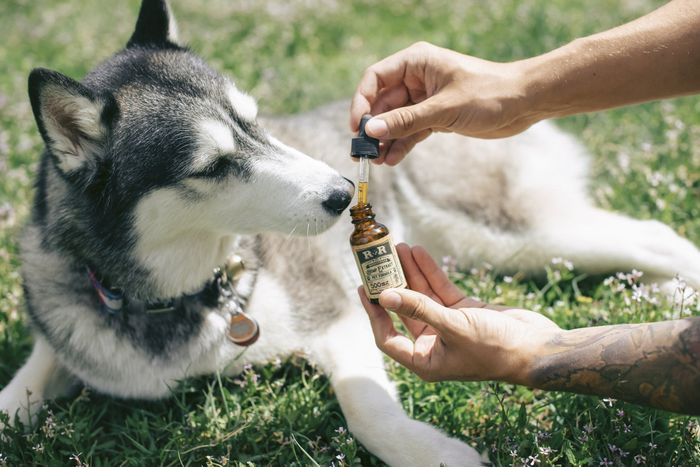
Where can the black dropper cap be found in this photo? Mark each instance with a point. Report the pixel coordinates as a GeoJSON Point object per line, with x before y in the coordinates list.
{"type": "Point", "coordinates": [364, 145]}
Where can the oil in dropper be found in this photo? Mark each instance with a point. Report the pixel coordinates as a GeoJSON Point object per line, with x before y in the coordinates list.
{"type": "Point", "coordinates": [363, 181]}
{"type": "Point", "coordinates": [371, 243]}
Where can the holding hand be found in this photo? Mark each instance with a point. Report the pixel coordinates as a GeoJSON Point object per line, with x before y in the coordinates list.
{"type": "Point", "coordinates": [454, 337]}
{"type": "Point", "coordinates": [426, 88]}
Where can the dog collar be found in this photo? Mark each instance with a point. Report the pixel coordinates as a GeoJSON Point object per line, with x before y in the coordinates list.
{"type": "Point", "coordinates": [111, 298]}
{"type": "Point", "coordinates": [243, 329]}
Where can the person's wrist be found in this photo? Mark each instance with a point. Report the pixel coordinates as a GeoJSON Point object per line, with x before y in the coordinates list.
{"type": "Point", "coordinates": [530, 355]}
{"type": "Point", "coordinates": [534, 101]}
{"type": "Point", "coordinates": [520, 104]}
{"type": "Point", "coordinates": [546, 79]}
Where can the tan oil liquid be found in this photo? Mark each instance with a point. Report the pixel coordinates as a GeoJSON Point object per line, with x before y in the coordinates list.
{"type": "Point", "coordinates": [374, 252]}
{"type": "Point", "coordinates": [362, 194]}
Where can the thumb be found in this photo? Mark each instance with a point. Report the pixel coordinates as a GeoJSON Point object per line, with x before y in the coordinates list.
{"type": "Point", "coordinates": [415, 305]}
{"type": "Point", "coordinates": [402, 122]}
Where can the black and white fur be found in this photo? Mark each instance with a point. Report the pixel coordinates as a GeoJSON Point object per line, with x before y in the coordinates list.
{"type": "Point", "coordinates": [157, 168]}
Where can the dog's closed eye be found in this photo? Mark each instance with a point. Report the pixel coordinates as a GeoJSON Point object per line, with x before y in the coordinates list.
{"type": "Point", "coordinates": [219, 168]}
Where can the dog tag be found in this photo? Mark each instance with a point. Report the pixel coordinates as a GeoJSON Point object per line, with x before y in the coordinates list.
{"type": "Point", "coordinates": [243, 329]}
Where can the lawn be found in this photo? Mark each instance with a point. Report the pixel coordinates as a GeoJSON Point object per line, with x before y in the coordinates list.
{"type": "Point", "coordinates": [294, 55]}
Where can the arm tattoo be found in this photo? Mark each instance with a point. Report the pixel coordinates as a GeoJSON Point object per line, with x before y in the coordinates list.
{"type": "Point", "coordinates": [654, 364]}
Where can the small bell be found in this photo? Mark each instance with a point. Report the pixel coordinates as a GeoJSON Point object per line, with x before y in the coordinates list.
{"type": "Point", "coordinates": [234, 267]}
{"type": "Point", "coordinates": [243, 329]}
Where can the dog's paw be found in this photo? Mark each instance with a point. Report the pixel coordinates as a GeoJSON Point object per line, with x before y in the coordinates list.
{"type": "Point", "coordinates": [19, 406]}
{"type": "Point", "coordinates": [452, 452]}
{"type": "Point", "coordinates": [424, 445]}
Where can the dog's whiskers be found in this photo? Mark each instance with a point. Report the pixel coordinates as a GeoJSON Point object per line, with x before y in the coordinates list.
{"type": "Point", "coordinates": [287, 240]}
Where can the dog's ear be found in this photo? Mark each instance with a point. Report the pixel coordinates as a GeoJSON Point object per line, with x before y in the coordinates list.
{"type": "Point", "coordinates": [156, 25]}
{"type": "Point", "coordinates": [72, 120]}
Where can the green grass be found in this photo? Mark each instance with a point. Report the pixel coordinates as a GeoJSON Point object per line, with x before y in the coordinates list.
{"type": "Point", "coordinates": [646, 163]}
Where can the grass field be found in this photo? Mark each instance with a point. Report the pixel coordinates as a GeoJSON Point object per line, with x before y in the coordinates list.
{"type": "Point", "coordinates": [293, 55]}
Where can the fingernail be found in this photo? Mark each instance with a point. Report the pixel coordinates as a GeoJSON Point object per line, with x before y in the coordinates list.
{"type": "Point", "coordinates": [376, 127]}
{"type": "Point", "coordinates": [390, 300]}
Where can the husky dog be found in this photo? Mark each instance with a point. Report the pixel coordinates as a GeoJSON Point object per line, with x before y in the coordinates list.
{"type": "Point", "coordinates": [157, 170]}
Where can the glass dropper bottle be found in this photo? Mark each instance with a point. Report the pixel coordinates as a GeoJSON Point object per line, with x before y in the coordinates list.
{"type": "Point", "coordinates": [371, 243]}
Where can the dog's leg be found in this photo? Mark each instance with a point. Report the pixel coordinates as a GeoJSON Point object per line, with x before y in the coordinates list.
{"type": "Point", "coordinates": [42, 377]}
{"type": "Point", "coordinates": [598, 241]}
{"type": "Point", "coordinates": [347, 353]}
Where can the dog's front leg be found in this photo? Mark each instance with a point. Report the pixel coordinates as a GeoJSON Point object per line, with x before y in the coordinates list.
{"type": "Point", "coordinates": [41, 377]}
{"type": "Point", "coordinates": [347, 353]}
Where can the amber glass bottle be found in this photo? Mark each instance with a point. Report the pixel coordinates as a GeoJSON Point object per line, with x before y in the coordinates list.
{"type": "Point", "coordinates": [374, 253]}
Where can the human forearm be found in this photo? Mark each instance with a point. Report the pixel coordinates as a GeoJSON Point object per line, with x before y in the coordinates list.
{"type": "Point", "coordinates": [654, 364]}
{"type": "Point", "coordinates": [653, 57]}
{"type": "Point", "coordinates": [458, 338]}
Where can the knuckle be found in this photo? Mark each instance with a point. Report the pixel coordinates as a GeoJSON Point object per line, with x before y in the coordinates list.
{"type": "Point", "coordinates": [417, 309]}
{"type": "Point", "coordinates": [421, 46]}
{"type": "Point", "coordinates": [405, 120]}
{"type": "Point", "coordinates": [380, 344]}
{"type": "Point", "coordinates": [376, 71]}
{"type": "Point", "coordinates": [371, 73]}
{"type": "Point", "coordinates": [370, 70]}
{"type": "Point", "coordinates": [468, 322]}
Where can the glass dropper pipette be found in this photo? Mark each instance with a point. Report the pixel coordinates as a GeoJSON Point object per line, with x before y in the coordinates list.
{"type": "Point", "coordinates": [363, 181]}
{"type": "Point", "coordinates": [364, 147]}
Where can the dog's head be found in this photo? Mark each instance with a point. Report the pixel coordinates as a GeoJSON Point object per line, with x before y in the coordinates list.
{"type": "Point", "coordinates": [157, 146]}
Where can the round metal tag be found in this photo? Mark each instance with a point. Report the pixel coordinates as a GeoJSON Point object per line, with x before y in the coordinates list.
{"type": "Point", "coordinates": [243, 329]}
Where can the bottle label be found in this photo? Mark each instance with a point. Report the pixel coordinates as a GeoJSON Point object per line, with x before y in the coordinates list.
{"type": "Point", "coordinates": [379, 266]}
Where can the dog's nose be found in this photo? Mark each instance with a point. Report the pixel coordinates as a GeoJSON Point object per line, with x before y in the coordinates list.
{"type": "Point", "coordinates": [337, 201]}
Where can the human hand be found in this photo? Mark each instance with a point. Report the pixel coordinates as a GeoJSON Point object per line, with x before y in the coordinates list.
{"type": "Point", "coordinates": [425, 88]}
{"type": "Point", "coordinates": [454, 337]}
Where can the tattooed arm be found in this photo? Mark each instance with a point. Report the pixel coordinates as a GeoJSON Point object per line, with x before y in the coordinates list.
{"type": "Point", "coordinates": [456, 338]}
{"type": "Point", "coordinates": [655, 364]}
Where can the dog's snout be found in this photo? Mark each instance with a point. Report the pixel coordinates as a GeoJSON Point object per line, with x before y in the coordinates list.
{"type": "Point", "coordinates": [337, 201]}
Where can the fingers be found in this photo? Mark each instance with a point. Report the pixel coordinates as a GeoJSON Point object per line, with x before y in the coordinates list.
{"type": "Point", "coordinates": [416, 306]}
{"type": "Point", "coordinates": [425, 276]}
{"type": "Point", "coordinates": [401, 147]}
{"type": "Point", "coordinates": [414, 275]}
{"type": "Point", "coordinates": [385, 73]}
{"type": "Point", "coordinates": [403, 121]}
{"type": "Point", "coordinates": [390, 72]}
{"type": "Point", "coordinates": [447, 292]}
{"type": "Point", "coordinates": [395, 89]}
{"type": "Point", "coordinates": [395, 345]}
{"type": "Point", "coordinates": [416, 281]}
{"type": "Point", "coordinates": [390, 98]}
